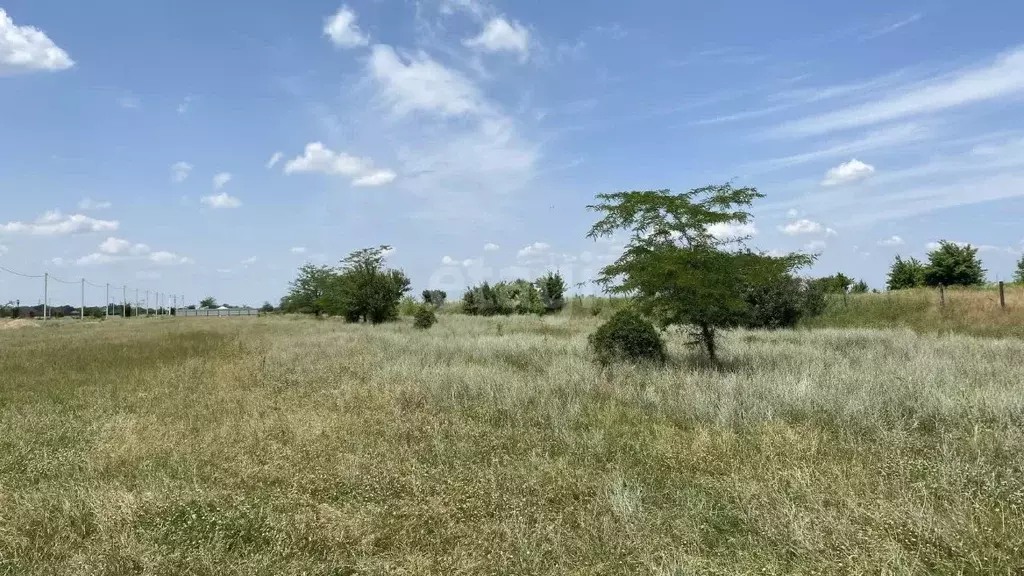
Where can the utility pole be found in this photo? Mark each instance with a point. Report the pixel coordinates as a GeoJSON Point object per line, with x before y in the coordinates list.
{"type": "Point", "coordinates": [106, 309]}
{"type": "Point", "coordinates": [81, 315]}
{"type": "Point", "coordinates": [136, 302]}
{"type": "Point", "coordinates": [46, 294]}
{"type": "Point", "coordinates": [147, 303]}
{"type": "Point", "coordinates": [124, 301]}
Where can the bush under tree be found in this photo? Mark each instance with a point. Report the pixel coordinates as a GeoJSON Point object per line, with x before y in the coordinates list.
{"type": "Point", "coordinates": [836, 284]}
{"type": "Point", "coordinates": [675, 269]}
{"type": "Point", "coordinates": [627, 336]}
{"type": "Point", "coordinates": [782, 302]}
{"type": "Point", "coordinates": [954, 265]}
{"type": "Point", "coordinates": [904, 274]}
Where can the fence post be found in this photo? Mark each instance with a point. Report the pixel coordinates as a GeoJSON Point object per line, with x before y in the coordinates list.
{"type": "Point", "coordinates": [46, 294]}
{"type": "Point", "coordinates": [1002, 296]}
{"type": "Point", "coordinates": [81, 314]}
{"type": "Point", "coordinates": [942, 296]}
{"type": "Point", "coordinates": [106, 309]}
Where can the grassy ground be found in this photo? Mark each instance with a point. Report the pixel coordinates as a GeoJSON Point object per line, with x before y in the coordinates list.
{"type": "Point", "coordinates": [967, 310]}
{"type": "Point", "coordinates": [493, 446]}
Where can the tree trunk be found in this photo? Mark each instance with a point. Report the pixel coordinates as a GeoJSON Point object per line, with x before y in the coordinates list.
{"type": "Point", "coordinates": [707, 336]}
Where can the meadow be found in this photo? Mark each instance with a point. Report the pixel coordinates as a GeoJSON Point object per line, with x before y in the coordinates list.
{"type": "Point", "coordinates": [286, 445]}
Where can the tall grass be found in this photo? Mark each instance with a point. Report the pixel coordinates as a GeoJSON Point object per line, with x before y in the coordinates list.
{"type": "Point", "coordinates": [495, 446]}
{"type": "Point", "coordinates": [967, 310]}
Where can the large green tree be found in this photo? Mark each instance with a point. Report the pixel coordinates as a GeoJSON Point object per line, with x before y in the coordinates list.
{"type": "Point", "coordinates": [674, 266]}
{"type": "Point", "coordinates": [905, 274]}
{"type": "Point", "coordinates": [1018, 274]}
{"type": "Point", "coordinates": [306, 293]}
{"type": "Point", "coordinates": [363, 289]}
{"type": "Point", "coordinates": [952, 264]}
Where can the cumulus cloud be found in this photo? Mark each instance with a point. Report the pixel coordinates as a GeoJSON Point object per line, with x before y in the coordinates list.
{"type": "Point", "coordinates": [274, 160]}
{"type": "Point", "coordinates": [90, 204]}
{"type": "Point", "coordinates": [222, 200]}
{"type": "Point", "coordinates": [491, 247]}
{"type": "Point", "coordinates": [220, 180]}
{"type": "Point", "coordinates": [732, 230]}
{"type": "Point", "coordinates": [448, 261]}
{"type": "Point", "coordinates": [802, 226]}
{"type": "Point", "coordinates": [180, 171]}
{"type": "Point", "coordinates": [319, 158]}
{"type": "Point", "coordinates": [57, 224]}
{"type": "Point", "coordinates": [343, 31]}
{"type": "Point", "coordinates": [419, 83]}
{"type": "Point", "coordinates": [120, 246]}
{"type": "Point", "coordinates": [534, 251]}
{"type": "Point", "coordinates": [891, 241]}
{"type": "Point", "coordinates": [847, 173]}
{"type": "Point", "coordinates": [500, 35]}
{"type": "Point", "coordinates": [28, 49]}
{"type": "Point", "coordinates": [167, 258]}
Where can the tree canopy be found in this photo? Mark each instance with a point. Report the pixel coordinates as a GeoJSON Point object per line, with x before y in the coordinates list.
{"type": "Point", "coordinates": [905, 274]}
{"type": "Point", "coordinates": [1018, 274]}
{"type": "Point", "coordinates": [208, 302]}
{"type": "Point", "coordinates": [677, 265]}
{"type": "Point", "coordinates": [952, 264]}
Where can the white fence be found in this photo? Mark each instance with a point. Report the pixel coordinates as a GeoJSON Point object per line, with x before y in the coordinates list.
{"type": "Point", "coordinates": [203, 312]}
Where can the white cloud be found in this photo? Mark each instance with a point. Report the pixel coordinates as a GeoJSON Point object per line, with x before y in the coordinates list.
{"type": "Point", "coordinates": [318, 158]}
{"type": "Point", "coordinates": [732, 230]}
{"type": "Point", "coordinates": [183, 107]}
{"type": "Point", "coordinates": [180, 171]}
{"type": "Point", "coordinates": [418, 83]}
{"type": "Point", "coordinates": [274, 160]}
{"type": "Point", "coordinates": [491, 247]}
{"type": "Point", "coordinates": [220, 180]}
{"type": "Point", "coordinates": [128, 102]}
{"type": "Point", "coordinates": [534, 251]}
{"type": "Point", "coordinates": [377, 178]}
{"type": "Point", "coordinates": [891, 241]}
{"type": "Point", "coordinates": [887, 137]}
{"type": "Point", "coordinates": [56, 224]}
{"type": "Point", "coordinates": [468, 263]}
{"type": "Point", "coordinates": [167, 259]}
{"type": "Point", "coordinates": [250, 261]}
{"type": "Point", "coordinates": [815, 247]}
{"type": "Point", "coordinates": [1001, 78]}
{"type": "Point", "coordinates": [222, 200]}
{"type": "Point", "coordinates": [343, 31]}
{"type": "Point", "coordinates": [500, 35]}
{"type": "Point", "coordinates": [448, 261]}
{"type": "Point", "coordinates": [58, 261]}
{"type": "Point", "coordinates": [90, 204]}
{"type": "Point", "coordinates": [473, 7]}
{"type": "Point", "coordinates": [95, 259]}
{"type": "Point", "coordinates": [936, 245]}
{"type": "Point", "coordinates": [892, 27]}
{"type": "Point", "coordinates": [847, 173]}
{"type": "Point", "coordinates": [802, 226]}
{"type": "Point", "coordinates": [26, 49]}
{"type": "Point", "coordinates": [299, 250]}
{"type": "Point", "coordinates": [120, 246]}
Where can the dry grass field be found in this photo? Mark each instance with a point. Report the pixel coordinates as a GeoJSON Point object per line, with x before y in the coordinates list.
{"type": "Point", "coordinates": [495, 446]}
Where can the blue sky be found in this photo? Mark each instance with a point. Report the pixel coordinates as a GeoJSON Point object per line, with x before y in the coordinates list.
{"type": "Point", "coordinates": [210, 148]}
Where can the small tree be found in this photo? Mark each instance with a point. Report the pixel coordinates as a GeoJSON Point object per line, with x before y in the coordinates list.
{"type": "Point", "coordinates": [435, 298]}
{"type": "Point", "coordinates": [905, 274]}
{"type": "Point", "coordinates": [1018, 274]}
{"type": "Point", "coordinates": [208, 302]}
{"type": "Point", "coordinates": [861, 287]}
{"type": "Point", "coordinates": [267, 308]}
{"type": "Point", "coordinates": [675, 268]}
{"type": "Point", "coordinates": [425, 317]}
{"type": "Point", "coordinates": [836, 284]}
{"type": "Point", "coordinates": [954, 265]}
{"type": "Point", "coordinates": [551, 287]}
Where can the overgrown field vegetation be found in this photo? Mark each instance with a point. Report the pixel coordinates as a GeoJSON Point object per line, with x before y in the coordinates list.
{"type": "Point", "coordinates": [492, 445]}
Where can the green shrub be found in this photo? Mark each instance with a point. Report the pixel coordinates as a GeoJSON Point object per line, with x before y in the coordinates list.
{"type": "Point", "coordinates": [435, 297]}
{"type": "Point", "coordinates": [426, 317]}
{"type": "Point", "coordinates": [408, 306]}
{"type": "Point", "coordinates": [629, 337]}
{"type": "Point", "coordinates": [783, 302]}
{"type": "Point", "coordinates": [551, 290]}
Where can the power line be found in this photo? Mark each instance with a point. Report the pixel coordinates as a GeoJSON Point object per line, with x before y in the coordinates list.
{"type": "Point", "coordinates": [18, 273]}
